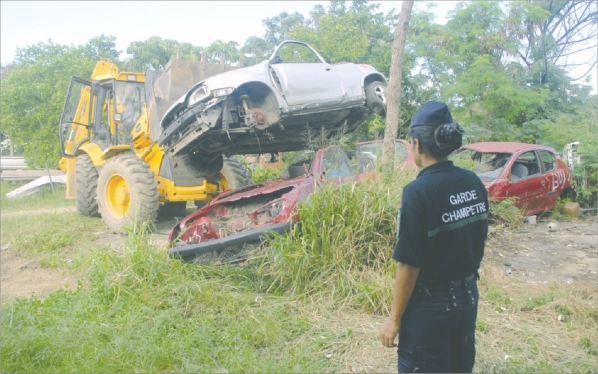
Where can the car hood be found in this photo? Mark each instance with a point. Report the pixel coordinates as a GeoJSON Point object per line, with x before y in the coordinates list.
{"type": "Point", "coordinates": [223, 80]}
{"type": "Point", "coordinates": [248, 191]}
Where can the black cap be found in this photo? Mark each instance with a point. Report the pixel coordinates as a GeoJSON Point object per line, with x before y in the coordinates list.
{"type": "Point", "coordinates": [432, 113]}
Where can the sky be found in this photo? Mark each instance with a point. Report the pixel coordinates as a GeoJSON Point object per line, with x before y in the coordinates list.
{"type": "Point", "coordinates": [197, 22]}
{"type": "Point", "coordinates": [200, 23]}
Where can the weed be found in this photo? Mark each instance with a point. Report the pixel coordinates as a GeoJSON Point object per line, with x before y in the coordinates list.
{"type": "Point", "coordinates": [504, 214]}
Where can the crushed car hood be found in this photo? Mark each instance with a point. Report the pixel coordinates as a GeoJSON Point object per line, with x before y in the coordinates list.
{"type": "Point", "coordinates": [223, 80]}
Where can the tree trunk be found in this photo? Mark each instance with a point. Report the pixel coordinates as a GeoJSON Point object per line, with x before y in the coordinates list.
{"type": "Point", "coordinates": [393, 91]}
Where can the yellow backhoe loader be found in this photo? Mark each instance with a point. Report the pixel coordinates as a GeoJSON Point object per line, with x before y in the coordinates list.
{"type": "Point", "coordinates": [109, 129]}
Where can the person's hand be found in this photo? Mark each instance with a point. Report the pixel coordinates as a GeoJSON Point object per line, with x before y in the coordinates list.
{"type": "Point", "coordinates": [388, 332]}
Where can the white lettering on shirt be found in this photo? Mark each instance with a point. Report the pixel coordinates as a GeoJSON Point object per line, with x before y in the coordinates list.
{"type": "Point", "coordinates": [467, 211]}
{"type": "Point", "coordinates": [463, 197]}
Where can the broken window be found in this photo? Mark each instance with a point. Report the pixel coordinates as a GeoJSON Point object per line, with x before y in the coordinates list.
{"type": "Point", "coordinates": [491, 165]}
{"type": "Point", "coordinates": [337, 164]}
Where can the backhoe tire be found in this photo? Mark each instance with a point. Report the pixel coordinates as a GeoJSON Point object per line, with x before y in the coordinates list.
{"type": "Point", "coordinates": [375, 97]}
{"type": "Point", "coordinates": [236, 173]}
{"type": "Point", "coordinates": [86, 183]}
{"type": "Point", "coordinates": [127, 193]}
{"type": "Point", "coordinates": [172, 209]}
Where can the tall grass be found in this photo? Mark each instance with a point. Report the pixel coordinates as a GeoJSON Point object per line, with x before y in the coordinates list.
{"type": "Point", "coordinates": [141, 311]}
{"type": "Point", "coordinates": [343, 247]}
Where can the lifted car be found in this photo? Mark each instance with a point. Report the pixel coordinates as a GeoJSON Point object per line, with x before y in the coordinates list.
{"type": "Point", "coordinates": [534, 174]}
{"type": "Point", "coordinates": [270, 107]}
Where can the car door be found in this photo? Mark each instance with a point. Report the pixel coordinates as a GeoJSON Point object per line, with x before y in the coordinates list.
{"type": "Point", "coordinates": [304, 78]}
{"type": "Point", "coordinates": [527, 182]}
{"type": "Point", "coordinates": [555, 179]}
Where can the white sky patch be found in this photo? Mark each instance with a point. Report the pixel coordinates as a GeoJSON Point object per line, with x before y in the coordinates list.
{"type": "Point", "coordinates": [200, 23]}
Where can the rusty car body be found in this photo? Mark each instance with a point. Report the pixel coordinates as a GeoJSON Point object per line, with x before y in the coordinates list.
{"type": "Point", "coordinates": [534, 174]}
{"type": "Point", "coordinates": [270, 107]}
{"type": "Point", "coordinates": [240, 218]}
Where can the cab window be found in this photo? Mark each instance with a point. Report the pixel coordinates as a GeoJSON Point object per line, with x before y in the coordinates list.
{"type": "Point", "coordinates": [129, 99]}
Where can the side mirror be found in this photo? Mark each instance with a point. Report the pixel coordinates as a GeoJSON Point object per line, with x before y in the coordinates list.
{"type": "Point", "coordinates": [95, 87]}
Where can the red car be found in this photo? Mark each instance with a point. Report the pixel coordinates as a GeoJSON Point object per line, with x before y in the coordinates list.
{"type": "Point", "coordinates": [239, 218]}
{"type": "Point", "coordinates": [533, 173]}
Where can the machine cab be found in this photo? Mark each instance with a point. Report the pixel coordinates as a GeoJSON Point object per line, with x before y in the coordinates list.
{"type": "Point", "coordinates": [103, 111]}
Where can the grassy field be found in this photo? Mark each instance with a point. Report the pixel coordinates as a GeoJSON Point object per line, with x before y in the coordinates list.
{"type": "Point", "coordinates": [313, 302]}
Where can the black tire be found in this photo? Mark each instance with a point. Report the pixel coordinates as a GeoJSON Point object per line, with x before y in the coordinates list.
{"type": "Point", "coordinates": [375, 97]}
{"type": "Point", "coordinates": [86, 183]}
{"type": "Point", "coordinates": [127, 193]}
{"type": "Point", "coordinates": [172, 209]}
{"type": "Point", "coordinates": [200, 165]}
{"type": "Point", "coordinates": [236, 173]}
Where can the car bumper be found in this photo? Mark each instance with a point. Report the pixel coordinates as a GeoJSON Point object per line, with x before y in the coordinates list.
{"type": "Point", "coordinates": [191, 250]}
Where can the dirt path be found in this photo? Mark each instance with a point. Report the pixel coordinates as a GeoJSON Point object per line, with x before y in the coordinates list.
{"type": "Point", "coordinates": [534, 254]}
{"type": "Point", "coordinates": [23, 277]}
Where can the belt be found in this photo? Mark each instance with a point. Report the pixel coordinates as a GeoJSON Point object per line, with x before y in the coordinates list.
{"type": "Point", "coordinates": [450, 284]}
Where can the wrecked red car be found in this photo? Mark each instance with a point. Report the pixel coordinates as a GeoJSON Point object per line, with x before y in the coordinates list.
{"type": "Point", "coordinates": [534, 174]}
{"type": "Point", "coordinates": [237, 220]}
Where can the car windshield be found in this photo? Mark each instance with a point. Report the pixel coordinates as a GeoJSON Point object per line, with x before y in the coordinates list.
{"type": "Point", "coordinates": [296, 162]}
{"type": "Point", "coordinates": [337, 164]}
{"type": "Point", "coordinates": [490, 165]}
{"type": "Point", "coordinates": [368, 154]}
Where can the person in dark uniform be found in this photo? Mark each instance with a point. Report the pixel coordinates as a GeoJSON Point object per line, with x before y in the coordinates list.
{"type": "Point", "coordinates": [442, 229]}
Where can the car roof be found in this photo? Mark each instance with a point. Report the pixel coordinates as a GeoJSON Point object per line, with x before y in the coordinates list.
{"type": "Point", "coordinates": [508, 147]}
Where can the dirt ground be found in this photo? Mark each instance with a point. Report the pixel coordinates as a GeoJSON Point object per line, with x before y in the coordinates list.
{"type": "Point", "coordinates": [537, 255]}
{"type": "Point", "coordinates": [532, 253]}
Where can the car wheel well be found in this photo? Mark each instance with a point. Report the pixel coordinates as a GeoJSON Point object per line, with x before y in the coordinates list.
{"type": "Point", "coordinates": [262, 97]}
{"type": "Point", "coordinates": [373, 77]}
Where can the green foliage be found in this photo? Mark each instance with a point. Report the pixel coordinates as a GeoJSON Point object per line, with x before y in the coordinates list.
{"type": "Point", "coordinates": [255, 50]}
{"type": "Point", "coordinates": [156, 51]}
{"type": "Point", "coordinates": [261, 174]}
{"type": "Point", "coordinates": [34, 90]}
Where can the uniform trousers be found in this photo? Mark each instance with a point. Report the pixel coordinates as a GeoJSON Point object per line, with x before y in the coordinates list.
{"type": "Point", "coordinates": [437, 332]}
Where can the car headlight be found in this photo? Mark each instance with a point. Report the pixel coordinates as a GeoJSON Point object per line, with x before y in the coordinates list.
{"type": "Point", "coordinates": [268, 212]}
{"type": "Point", "coordinates": [223, 91]}
{"type": "Point", "coordinates": [198, 95]}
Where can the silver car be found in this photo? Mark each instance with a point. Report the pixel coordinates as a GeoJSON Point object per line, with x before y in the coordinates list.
{"type": "Point", "coordinates": [273, 106]}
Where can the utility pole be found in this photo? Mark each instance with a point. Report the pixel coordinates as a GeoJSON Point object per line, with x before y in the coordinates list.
{"type": "Point", "coordinates": [393, 91]}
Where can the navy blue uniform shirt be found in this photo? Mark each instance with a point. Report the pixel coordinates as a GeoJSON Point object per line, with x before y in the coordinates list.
{"type": "Point", "coordinates": [443, 223]}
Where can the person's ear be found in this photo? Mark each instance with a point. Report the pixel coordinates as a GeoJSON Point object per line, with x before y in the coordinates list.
{"type": "Point", "coordinates": [415, 146]}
